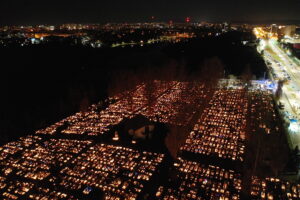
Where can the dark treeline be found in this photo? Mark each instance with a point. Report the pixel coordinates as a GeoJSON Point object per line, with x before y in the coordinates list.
{"type": "Point", "coordinates": [43, 84]}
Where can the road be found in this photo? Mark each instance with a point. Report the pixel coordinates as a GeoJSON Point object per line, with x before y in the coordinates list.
{"type": "Point", "coordinates": [286, 68]}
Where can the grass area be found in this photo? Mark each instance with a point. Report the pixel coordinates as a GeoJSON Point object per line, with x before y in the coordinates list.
{"type": "Point", "coordinates": [274, 55]}
{"type": "Point", "coordinates": [288, 138]}
{"type": "Point", "coordinates": [296, 60]}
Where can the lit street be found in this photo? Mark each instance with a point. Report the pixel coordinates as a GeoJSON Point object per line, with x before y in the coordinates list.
{"type": "Point", "coordinates": [286, 69]}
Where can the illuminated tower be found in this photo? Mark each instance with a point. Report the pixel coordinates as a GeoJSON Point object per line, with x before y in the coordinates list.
{"type": "Point", "coordinates": [274, 28]}
{"type": "Point", "coordinates": [187, 19]}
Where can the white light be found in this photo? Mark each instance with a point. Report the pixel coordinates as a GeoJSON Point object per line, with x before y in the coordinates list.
{"type": "Point", "coordinates": [294, 127]}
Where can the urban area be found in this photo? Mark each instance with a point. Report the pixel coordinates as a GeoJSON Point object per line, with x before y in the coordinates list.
{"type": "Point", "coordinates": [228, 138]}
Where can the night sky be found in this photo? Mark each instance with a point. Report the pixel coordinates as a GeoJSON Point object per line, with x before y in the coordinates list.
{"type": "Point", "coordinates": [31, 12]}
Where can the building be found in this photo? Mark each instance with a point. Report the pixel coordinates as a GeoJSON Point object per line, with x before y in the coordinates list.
{"type": "Point", "coordinates": [288, 30]}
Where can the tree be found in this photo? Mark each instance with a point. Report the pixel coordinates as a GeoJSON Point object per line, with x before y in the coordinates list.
{"type": "Point", "coordinates": [247, 75]}
{"type": "Point", "coordinates": [278, 92]}
{"type": "Point", "coordinates": [212, 71]}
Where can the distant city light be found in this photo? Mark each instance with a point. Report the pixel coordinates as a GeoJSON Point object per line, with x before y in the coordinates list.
{"type": "Point", "coordinates": [188, 20]}
{"type": "Point", "coordinates": [294, 126]}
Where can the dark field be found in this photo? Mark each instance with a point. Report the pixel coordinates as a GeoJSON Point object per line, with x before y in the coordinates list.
{"type": "Point", "coordinates": [43, 84]}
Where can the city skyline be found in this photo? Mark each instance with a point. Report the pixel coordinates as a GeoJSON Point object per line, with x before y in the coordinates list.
{"type": "Point", "coordinates": [34, 12]}
{"type": "Point", "coordinates": [141, 100]}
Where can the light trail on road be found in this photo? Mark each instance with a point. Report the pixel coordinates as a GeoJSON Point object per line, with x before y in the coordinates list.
{"type": "Point", "coordinates": [286, 69]}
